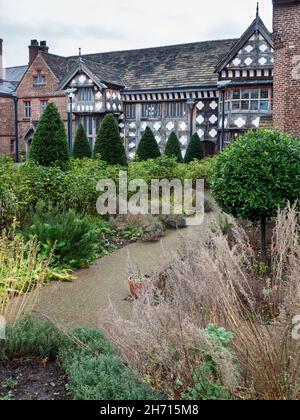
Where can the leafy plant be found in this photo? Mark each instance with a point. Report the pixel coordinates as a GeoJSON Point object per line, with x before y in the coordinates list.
{"type": "Point", "coordinates": [49, 144]}
{"type": "Point", "coordinates": [22, 270]}
{"type": "Point", "coordinates": [148, 147]}
{"type": "Point", "coordinates": [73, 237]}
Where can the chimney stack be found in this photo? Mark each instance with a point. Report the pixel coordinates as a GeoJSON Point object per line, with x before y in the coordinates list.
{"type": "Point", "coordinates": [35, 47]}
{"type": "Point", "coordinates": [1, 60]}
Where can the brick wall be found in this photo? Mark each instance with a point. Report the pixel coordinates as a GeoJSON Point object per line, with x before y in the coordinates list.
{"type": "Point", "coordinates": [287, 66]}
{"type": "Point", "coordinates": [7, 124]}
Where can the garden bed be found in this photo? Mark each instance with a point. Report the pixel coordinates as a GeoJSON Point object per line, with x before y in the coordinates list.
{"type": "Point", "coordinates": [32, 379]}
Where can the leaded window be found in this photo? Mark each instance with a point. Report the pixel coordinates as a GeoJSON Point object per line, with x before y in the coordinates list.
{"type": "Point", "coordinates": [85, 94]}
{"type": "Point", "coordinates": [176, 109]}
{"type": "Point", "coordinates": [130, 111]}
{"type": "Point", "coordinates": [151, 110]}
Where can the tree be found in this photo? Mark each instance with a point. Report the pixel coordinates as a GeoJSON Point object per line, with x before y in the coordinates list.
{"type": "Point", "coordinates": [173, 148]}
{"type": "Point", "coordinates": [49, 144]}
{"type": "Point", "coordinates": [82, 148]}
{"type": "Point", "coordinates": [194, 150]}
{"type": "Point", "coordinates": [109, 144]}
{"type": "Point", "coordinates": [148, 147]}
{"type": "Point", "coordinates": [256, 175]}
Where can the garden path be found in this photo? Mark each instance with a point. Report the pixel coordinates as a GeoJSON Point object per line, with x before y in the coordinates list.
{"type": "Point", "coordinates": [80, 303]}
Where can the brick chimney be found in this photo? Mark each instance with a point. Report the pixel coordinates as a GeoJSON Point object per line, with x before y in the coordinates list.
{"type": "Point", "coordinates": [286, 24]}
{"type": "Point", "coordinates": [1, 60]}
{"type": "Point", "coordinates": [35, 47]}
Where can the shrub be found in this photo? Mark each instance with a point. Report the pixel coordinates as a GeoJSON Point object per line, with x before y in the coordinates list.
{"type": "Point", "coordinates": [73, 237]}
{"type": "Point", "coordinates": [258, 174]}
{"type": "Point", "coordinates": [109, 145]}
{"type": "Point", "coordinates": [49, 144]}
{"type": "Point", "coordinates": [81, 148]}
{"type": "Point", "coordinates": [173, 148]}
{"type": "Point", "coordinates": [22, 270]}
{"type": "Point", "coordinates": [94, 370]}
{"type": "Point", "coordinates": [212, 281]}
{"type": "Point", "coordinates": [197, 169]}
{"type": "Point", "coordinates": [148, 147]}
{"type": "Point", "coordinates": [194, 150]}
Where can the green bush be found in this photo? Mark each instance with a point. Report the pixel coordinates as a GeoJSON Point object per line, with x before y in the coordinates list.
{"type": "Point", "coordinates": [74, 238]}
{"type": "Point", "coordinates": [81, 148]}
{"type": "Point", "coordinates": [173, 148]}
{"type": "Point", "coordinates": [148, 147]}
{"type": "Point", "coordinates": [258, 174]}
{"type": "Point", "coordinates": [109, 145]}
{"type": "Point", "coordinates": [194, 150]}
{"type": "Point", "coordinates": [49, 144]}
{"type": "Point", "coordinates": [197, 169]}
{"type": "Point", "coordinates": [93, 368]}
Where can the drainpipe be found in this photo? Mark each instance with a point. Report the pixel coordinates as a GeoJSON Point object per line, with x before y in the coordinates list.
{"type": "Point", "coordinates": [191, 106]}
{"type": "Point", "coordinates": [16, 128]}
{"type": "Point", "coordinates": [222, 86]}
{"type": "Point", "coordinates": [223, 122]}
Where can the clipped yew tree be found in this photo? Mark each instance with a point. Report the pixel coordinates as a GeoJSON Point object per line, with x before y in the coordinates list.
{"type": "Point", "coordinates": [173, 148]}
{"type": "Point", "coordinates": [109, 146]}
{"type": "Point", "coordinates": [81, 148]}
{"type": "Point", "coordinates": [257, 175]}
{"type": "Point", "coordinates": [148, 147]}
{"type": "Point", "coordinates": [194, 150]}
{"type": "Point", "coordinates": [49, 144]}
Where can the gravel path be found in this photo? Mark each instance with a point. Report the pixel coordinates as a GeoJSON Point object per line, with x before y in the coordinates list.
{"type": "Point", "coordinates": [81, 302]}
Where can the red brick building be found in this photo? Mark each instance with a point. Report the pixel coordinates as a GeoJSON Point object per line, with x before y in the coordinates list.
{"type": "Point", "coordinates": [218, 89]}
{"type": "Point", "coordinates": [287, 65]}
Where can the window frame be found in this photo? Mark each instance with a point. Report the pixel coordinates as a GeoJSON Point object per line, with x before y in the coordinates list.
{"type": "Point", "coordinates": [247, 99]}
{"type": "Point", "coordinates": [27, 110]}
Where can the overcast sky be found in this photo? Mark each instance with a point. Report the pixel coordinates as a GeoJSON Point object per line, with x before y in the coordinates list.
{"type": "Point", "coordinates": [106, 25]}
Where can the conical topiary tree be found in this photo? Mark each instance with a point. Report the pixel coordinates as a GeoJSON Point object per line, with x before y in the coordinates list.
{"type": "Point", "coordinates": [109, 145]}
{"type": "Point", "coordinates": [194, 150]}
{"type": "Point", "coordinates": [49, 144]}
{"type": "Point", "coordinates": [81, 148]}
{"type": "Point", "coordinates": [173, 148]}
{"type": "Point", "coordinates": [148, 147]}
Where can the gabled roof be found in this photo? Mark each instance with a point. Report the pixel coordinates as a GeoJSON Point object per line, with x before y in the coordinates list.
{"type": "Point", "coordinates": [100, 74]}
{"type": "Point", "coordinates": [175, 66]}
{"type": "Point", "coordinates": [256, 25]}
{"type": "Point", "coordinates": [170, 67]}
{"type": "Point", "coordinates": [7, 88]}
{"type": "Point", "coordinates": [14, 74]}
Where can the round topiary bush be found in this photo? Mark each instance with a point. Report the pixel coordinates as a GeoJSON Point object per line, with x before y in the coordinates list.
{"type": "Point", "coordinates": [194, 150]}
{"type": "Point", "coordinates": [49, 144]}
{"type": "Point", "coordinates": [173, 148]}
{"type": "Point", "coordinates": [148, 147]}
{"type": "Point", "coordinates": [82, 148]}
{"type": "Point", "coordinates": [109, 145]}
{"type": "Point", "coordinates": [258, 174]}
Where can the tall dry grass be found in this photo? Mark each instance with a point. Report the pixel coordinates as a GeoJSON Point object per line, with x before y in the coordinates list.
{"type": "Point", "coordinates": [22, 274]}
{"type": "Point", "coordinates": [217, 281]}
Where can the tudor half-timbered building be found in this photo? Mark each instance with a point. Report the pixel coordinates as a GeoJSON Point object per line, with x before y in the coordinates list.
{"type": "Point", "coordinates": [218, 89]}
